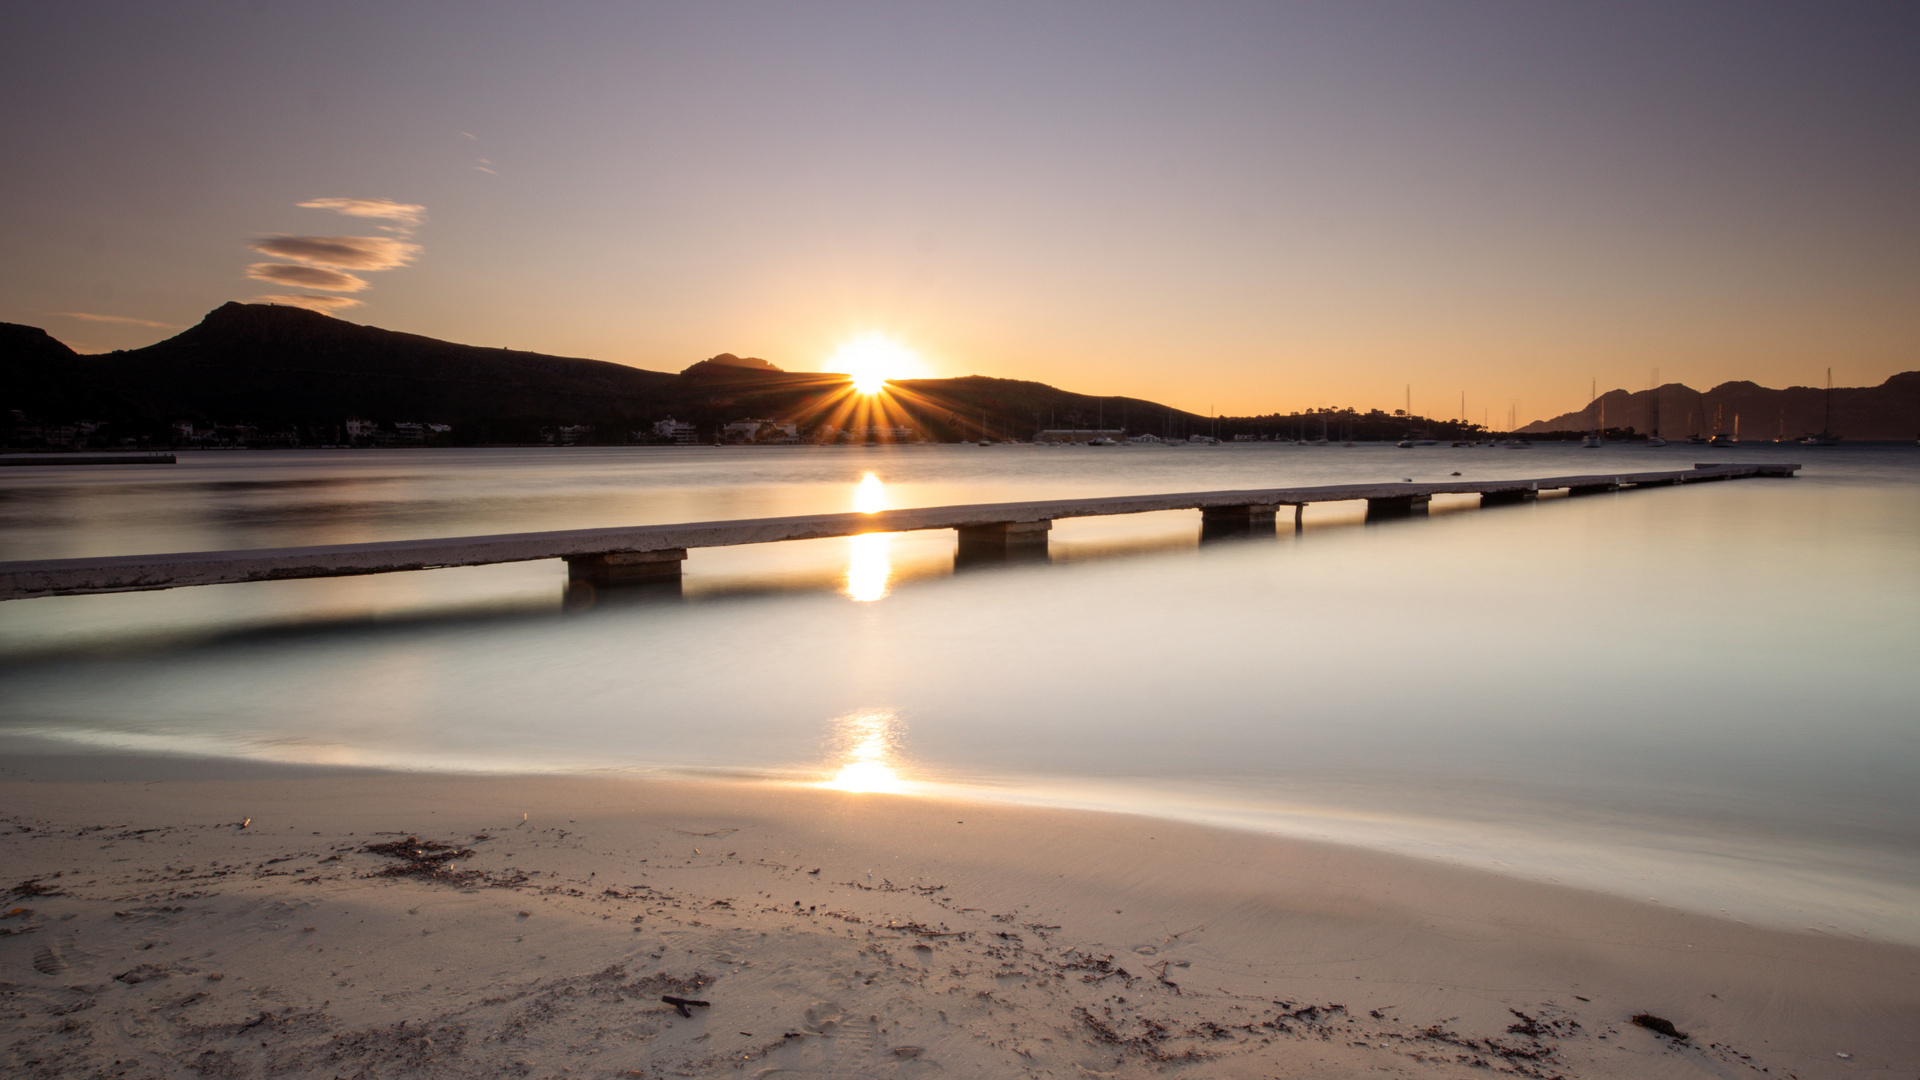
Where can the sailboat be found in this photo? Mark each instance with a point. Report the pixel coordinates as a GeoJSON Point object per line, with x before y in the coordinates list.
{"type": "Point", "coordinates": [1826, 436]}
{"type": "Point", "coordinates": [1725, 439]}
{"type": "Point", "coordinates": [1722, 438]}
{"type": "Point", "coordinates": [1593, 440]}
{"type": "Point", "coordinates": [1463, 420]}
{"type": "Point", "coordinates": [1414, 438]}
{"type": "Point", "coordinates": [1653, 411]}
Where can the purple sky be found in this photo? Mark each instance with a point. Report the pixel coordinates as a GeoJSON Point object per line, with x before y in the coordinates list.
{"type": "Point", "coordinates": [1252, 207]}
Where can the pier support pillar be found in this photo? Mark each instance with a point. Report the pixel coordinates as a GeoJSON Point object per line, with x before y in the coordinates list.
{"type": "Point", "coordinates": [1508, 497]}
{"type": "Point", "coordinates": [1003, 540]}
{"type": "Point", "coordinates": [627, 567]}
{"type": "Point", "coordinates": [1256, 512]}
{"type": "Point", "coordinates": [1398, 506]}
{"type": "Point", "coordinates": [1221, 522]}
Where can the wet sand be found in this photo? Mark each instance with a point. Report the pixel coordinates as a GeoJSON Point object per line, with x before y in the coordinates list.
{"type": "Point", "coordinates": [170, 918]}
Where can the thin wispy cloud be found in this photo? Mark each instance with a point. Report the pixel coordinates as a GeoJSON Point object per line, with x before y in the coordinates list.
{"type": "Point", "coordinates": [484, 165]}
{"type": "Point", "coordinates": [326, 305]}
{"type": "Point", "coordinates": [306, 277]}
{"type": "Point", "coordinates": [341, 252]}
{"type": "Point", "coordinates": [88, 316]}
{"type": "Point", "coordinates": [408, 214]}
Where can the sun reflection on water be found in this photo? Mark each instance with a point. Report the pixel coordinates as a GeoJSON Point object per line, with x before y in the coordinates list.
{"type": "Point", "coordinates": [868, 740]}
{"type": "Point", "coordinates": [870, 495]}
{"type": "Point", "coordinates": [869, 568]}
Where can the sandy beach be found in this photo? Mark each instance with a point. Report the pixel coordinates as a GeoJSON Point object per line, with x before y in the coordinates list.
{"type": "Point", "coordinates": [173, 918]}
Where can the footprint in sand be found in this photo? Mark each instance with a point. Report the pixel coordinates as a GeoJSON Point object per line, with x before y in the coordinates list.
{"type": "Point", "coordinates": [847, 1045]}
{"type": "Point", "coordinates": [48, 961]}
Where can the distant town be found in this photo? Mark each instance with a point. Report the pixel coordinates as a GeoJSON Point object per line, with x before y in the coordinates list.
{"type": "Point", "coordinates": [18, 431]}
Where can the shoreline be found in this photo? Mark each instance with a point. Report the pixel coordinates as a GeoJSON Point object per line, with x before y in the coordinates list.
{"type": "Point", "coordinates": [1769, 882]}
{"type": "Point", "coordinates": [991, 939]}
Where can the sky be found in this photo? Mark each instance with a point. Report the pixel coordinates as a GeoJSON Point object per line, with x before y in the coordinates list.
{"type": "Point", "coordinates": [1241, 207]}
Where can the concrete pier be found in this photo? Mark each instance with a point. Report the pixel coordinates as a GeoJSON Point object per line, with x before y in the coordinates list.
{"type": "Point", "coordinates": [642, 554]}
{"type": "Point", "coordinates": [85, 459]}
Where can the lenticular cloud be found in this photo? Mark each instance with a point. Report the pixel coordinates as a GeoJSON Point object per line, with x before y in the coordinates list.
{"type": "Point", "coordinates": [306, 277]}
{"type": "Point", "coordinates": [322, 262]}
{"type": "Point", "coordinates": [408, 214]}
{"type": "Point", "coordinates": [326, 305]}
{"type": "Point", "coordinates": [341, 252]}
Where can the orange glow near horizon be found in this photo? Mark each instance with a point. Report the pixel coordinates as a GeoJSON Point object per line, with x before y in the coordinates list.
{"type": "Point", "coordinates": [867, 767]}
{"type": "Point", "coordinates": [893, 413]}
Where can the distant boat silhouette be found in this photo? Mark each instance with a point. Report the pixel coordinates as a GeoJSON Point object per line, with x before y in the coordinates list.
{"type": "Point", "coordinates": [1653, 410]}
{"type": "Point", "coordinates": [1727, 439]}
{"type": "Point", "coordinates": [1724, 438]}
{"type": "Point", "coordinates": [1826, 436]}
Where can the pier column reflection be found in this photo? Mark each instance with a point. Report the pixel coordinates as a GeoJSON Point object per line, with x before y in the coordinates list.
{"type": "Point", "coordinates": [578, 595]}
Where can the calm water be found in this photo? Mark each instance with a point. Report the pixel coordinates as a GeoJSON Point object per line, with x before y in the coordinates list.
{"type": "Point", "coordinates": [1706, 696]}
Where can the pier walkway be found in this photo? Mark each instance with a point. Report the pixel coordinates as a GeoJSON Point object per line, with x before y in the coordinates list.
{"type": "Point", "coordinates": [643, 553]}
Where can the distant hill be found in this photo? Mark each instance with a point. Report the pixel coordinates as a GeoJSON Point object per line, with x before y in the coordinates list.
{"type": "Point", "coordinates": [1888, 411]}
{"type": "Point", "coordinates": [718, 364]}
{"type": "Point", "coordinates": [268, 363]}
{"type": "Point", "coordinates": [276, 365]}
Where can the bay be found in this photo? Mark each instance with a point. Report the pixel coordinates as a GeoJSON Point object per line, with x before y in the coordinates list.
{"type": "Point", "coordinates": [1704, 696]}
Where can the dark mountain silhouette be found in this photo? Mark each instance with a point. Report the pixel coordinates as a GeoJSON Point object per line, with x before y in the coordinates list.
{"type": "Point", "coordinates": [716, 364]}
{"type": "Point", "coordinates": [266, 363]}
{"type": "Point", "coordinates": [37, 369]}
{"type": "Point", "coordinates": [274, 365]}
{"type": "Point", "coordinates": [1888, 411]}
{"type": "Point", "coordinates": [271, 364]}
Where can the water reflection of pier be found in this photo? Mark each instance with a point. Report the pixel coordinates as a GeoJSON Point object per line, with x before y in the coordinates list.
{"type": "Point", "coordinates": [653, 554]}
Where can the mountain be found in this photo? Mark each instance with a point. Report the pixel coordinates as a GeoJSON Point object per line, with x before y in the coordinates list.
{"type": "Point", "coordinates": [1888, 411]}
{"type": "Point", "coordinates": [269, 363]}
{"type": "Point", "coordinates": [717, 364]}
{"type": "Point", "coordinates": [275, 365]}
{"type": "Point", "coordinates": [36, 368]}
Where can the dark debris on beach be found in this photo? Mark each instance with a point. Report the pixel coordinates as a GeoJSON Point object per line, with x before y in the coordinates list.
{"type": "Point", "coordinates": [432, 860]}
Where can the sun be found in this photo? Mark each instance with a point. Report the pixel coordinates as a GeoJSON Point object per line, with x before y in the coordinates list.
{"type": "Point", "coordinates": [872, 360]}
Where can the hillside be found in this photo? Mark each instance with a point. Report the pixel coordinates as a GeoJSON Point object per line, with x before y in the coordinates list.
{"type": "Point", "coordinates": [267, 364]}
{"type": "Point", "coordinates": [1888, 411]}
{"type": "Point", "coordinates": [277, 366]}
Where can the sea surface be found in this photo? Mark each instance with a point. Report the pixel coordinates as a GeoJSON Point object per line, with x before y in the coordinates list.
{"type": "Point", "coordinates": [1705, 696]}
